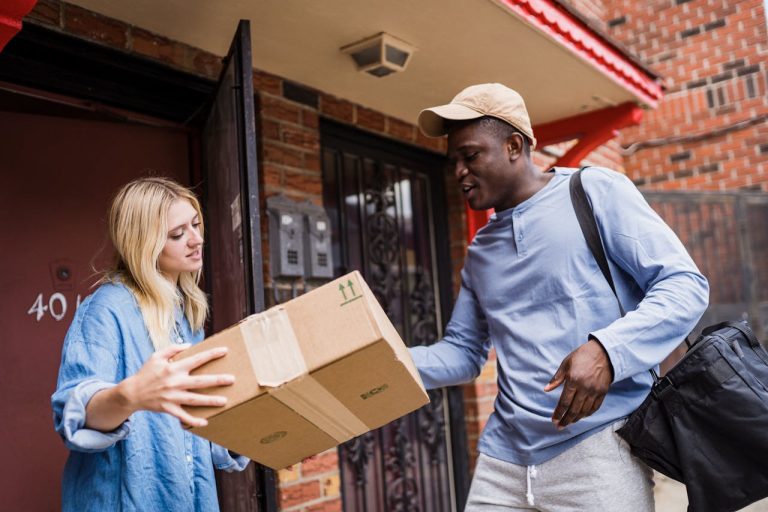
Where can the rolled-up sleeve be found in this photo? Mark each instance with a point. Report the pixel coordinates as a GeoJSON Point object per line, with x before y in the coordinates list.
{"type": "Point", "coordinates": [89, 364]}
{"type": "Point", "coordinates": [71, 425]}
{"type": "Point", "coordinates": [460, 355]}
{"type": "Point", "coordinates": [227, 461]}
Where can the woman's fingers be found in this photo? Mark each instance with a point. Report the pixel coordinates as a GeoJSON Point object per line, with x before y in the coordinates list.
{"type": "Point", "coordinates": [199, 400]}
{"type": "Point", "coordinates": [184, 416]}
{"type": "Point", "coordinates": [190, 363]}
{"type": "Point", "coordinates": [171, 350]}
{"type": "Point", "coordinates": [207, 381]}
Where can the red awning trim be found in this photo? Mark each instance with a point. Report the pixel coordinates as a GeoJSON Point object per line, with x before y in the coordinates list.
{"type": "Point", "coordinates": [572, 33]}
{"type": "Point", "coordinates": [593, 129]}
{"type": "Point", "coordinates": [11, 13]}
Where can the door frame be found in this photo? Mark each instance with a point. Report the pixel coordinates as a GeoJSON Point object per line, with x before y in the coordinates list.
{"type": "Point", "coordinates": [107, 83]}
{"type": "Point", "coordinates": [332, 130]}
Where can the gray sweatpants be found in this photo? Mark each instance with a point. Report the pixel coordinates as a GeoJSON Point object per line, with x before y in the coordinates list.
{"type": "Point", "coordinates": [598, 474]}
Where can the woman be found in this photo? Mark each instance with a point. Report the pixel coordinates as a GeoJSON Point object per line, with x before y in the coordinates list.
{"type": "Point", "coordinates": [117, 377]}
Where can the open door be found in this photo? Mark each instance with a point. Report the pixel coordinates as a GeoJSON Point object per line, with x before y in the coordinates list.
{"type": "Point", "coordinates": [234, 269]}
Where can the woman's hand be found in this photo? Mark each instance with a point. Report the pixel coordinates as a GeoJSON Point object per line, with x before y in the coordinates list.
{"type": "Point", "coordinates": [161, 385]}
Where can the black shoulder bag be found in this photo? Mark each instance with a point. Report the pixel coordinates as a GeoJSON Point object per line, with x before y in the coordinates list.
{"type": "Point", "coordinates": [705, 423]}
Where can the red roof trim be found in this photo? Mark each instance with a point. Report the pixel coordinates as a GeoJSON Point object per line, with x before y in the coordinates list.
{"type": "Point", "coordinates": [572, 33]}
{"type": "Point", "coordinates": [11, 13]}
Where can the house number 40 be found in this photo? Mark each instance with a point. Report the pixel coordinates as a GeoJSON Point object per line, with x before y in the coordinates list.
{"type": "Point", "coordinates": [56, 306]}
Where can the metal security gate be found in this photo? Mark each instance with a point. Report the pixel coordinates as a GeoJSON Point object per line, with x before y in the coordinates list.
{"type": "Point", "coordinates": [726, 233]}
{"type": "Point", "coordinates": [389, 222]}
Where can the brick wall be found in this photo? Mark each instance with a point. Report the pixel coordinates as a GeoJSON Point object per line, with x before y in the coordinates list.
{"type": "Point", "coordinates": [710, 130]}
{"type": "Point", "coordinates": [313, 486]}
{"type": "Point", "coordinates": [593, 12]}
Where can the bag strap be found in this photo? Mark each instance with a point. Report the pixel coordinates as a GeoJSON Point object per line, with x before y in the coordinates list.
{"type": "Point", "coordinates": [586, 218]}
{"type": "Point", "coordinates": [739, 326]}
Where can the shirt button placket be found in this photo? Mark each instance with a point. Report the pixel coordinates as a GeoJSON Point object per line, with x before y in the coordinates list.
{"type": "Point", "coordinates": [519, 237]}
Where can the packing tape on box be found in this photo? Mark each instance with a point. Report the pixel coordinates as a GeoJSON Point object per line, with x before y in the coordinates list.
{"type": "Point", "coordinates": [309, 398]}
{"type": "Point", "coordinates": [278, 364]}
{"type": "Point", "coordinates": [273, 348]}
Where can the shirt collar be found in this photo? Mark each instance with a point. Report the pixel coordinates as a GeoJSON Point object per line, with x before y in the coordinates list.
{"type": "Point", "coordinates": [509, 212]}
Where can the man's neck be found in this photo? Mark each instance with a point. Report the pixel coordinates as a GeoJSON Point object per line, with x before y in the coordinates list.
{"type": "Point", "coordinates": [531, 181]}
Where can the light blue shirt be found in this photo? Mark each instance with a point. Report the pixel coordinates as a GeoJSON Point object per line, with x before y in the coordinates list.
{"type": "Point", "coordinates": [149, 462]}
{"type": "Point", "coordinates": [531, 287]}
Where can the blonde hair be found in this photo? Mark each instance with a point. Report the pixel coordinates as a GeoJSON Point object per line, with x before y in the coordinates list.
{"type": "Point", "coordinates": [138, 228]}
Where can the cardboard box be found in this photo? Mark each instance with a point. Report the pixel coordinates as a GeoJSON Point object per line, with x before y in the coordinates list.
{"type": "Point", "coordinates": [310, 374]}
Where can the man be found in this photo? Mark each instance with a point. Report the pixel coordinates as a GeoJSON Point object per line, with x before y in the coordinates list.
{"type": "Point", "coordinates": [570, 368]}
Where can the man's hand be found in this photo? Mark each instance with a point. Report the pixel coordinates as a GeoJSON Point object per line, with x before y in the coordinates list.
{"type": "Point", "coordinates": [587, 374]}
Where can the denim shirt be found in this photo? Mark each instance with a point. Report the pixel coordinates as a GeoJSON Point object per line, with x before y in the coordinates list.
{"type": "Point", "coordinates": [531, 287]}
{"type": "Point", "coordinates": [150, 462]}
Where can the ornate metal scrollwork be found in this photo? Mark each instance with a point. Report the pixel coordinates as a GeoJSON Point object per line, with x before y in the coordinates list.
{"type": "Point", "coordinates": [432, 426]}
{"type": "Point", "coordinates": [383, 240]}
{"type": "Point", "coordinates": [358, 453]}
{"type": "Point", "coordinates": [399, 463]}
{"type": "Point", "coordinates": [423, 319]}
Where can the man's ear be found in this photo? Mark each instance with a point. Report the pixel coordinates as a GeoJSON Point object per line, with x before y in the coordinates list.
{"type": "Point", "coordinates": [515, 146]}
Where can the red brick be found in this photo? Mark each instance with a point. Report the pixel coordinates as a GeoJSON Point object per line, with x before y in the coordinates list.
{"type": "Point", "coordinates": [270, 129]}
{"type": "Point", "coordinates": [204, 63]}
{"type": "Point", "coordinates": [433, 143]}
{"type": "Point", "coordinates": [310, 119]}
{"type": "Point", "coordinates": [336, 108]}
{"type": "Point", "coordinates": [272, 175]}
{"type": "Point", "coordinates": [279, 109]}
{"type": "Point", "coordinates": [370, 119]}
{"type": "Point", "coordinates": [95, 26]}
{"type": "Point", "coordinates": [333, 505]}
{"type": "Point", "coordinates": [401, 129]}
{"type": "Point", "coordinates": [299, 493]}
{"type": "Point", "coordinates": [307, 139]}
{"type": "Point", "coordinates": [323, 463]}
{"type": "Point", "coordinates": [312, 162]}
{"type": "Point", "coordinates": [47, 12]}
{"type": "Point", "coordinates": [271, 190]}
{"type": "Point", "coordinates": [157, 47]}
{"type": "Point", "coordinates": [264, 82]}
{"type": "Point", "coordinates": [303, 182]}
{"type": "Point", "coordinates": [282, 155]}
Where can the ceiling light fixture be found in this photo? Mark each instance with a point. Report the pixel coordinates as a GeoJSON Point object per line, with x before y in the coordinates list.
{"type": "Point", "coordinates": [380, 55]}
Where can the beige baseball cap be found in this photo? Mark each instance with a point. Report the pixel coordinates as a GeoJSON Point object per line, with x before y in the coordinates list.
{"type": "Point", "coordinates": [495, 100]}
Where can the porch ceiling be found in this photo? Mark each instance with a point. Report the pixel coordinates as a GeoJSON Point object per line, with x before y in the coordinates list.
{"type": "Point", "coordinates": [459, 42]}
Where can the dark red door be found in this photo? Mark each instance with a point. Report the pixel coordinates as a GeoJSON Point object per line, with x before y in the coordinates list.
{"type": "Point", "coordinates": [58, 174]}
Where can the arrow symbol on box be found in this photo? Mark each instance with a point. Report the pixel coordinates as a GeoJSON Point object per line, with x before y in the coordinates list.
{"type": "Point", "coordinates": [341, 289]}
{"type": "Point", "coordinates": [351, 288]}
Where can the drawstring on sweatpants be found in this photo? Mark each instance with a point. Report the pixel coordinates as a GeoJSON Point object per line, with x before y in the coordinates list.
{"type": "Point", "coordinates": [529, 492]}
